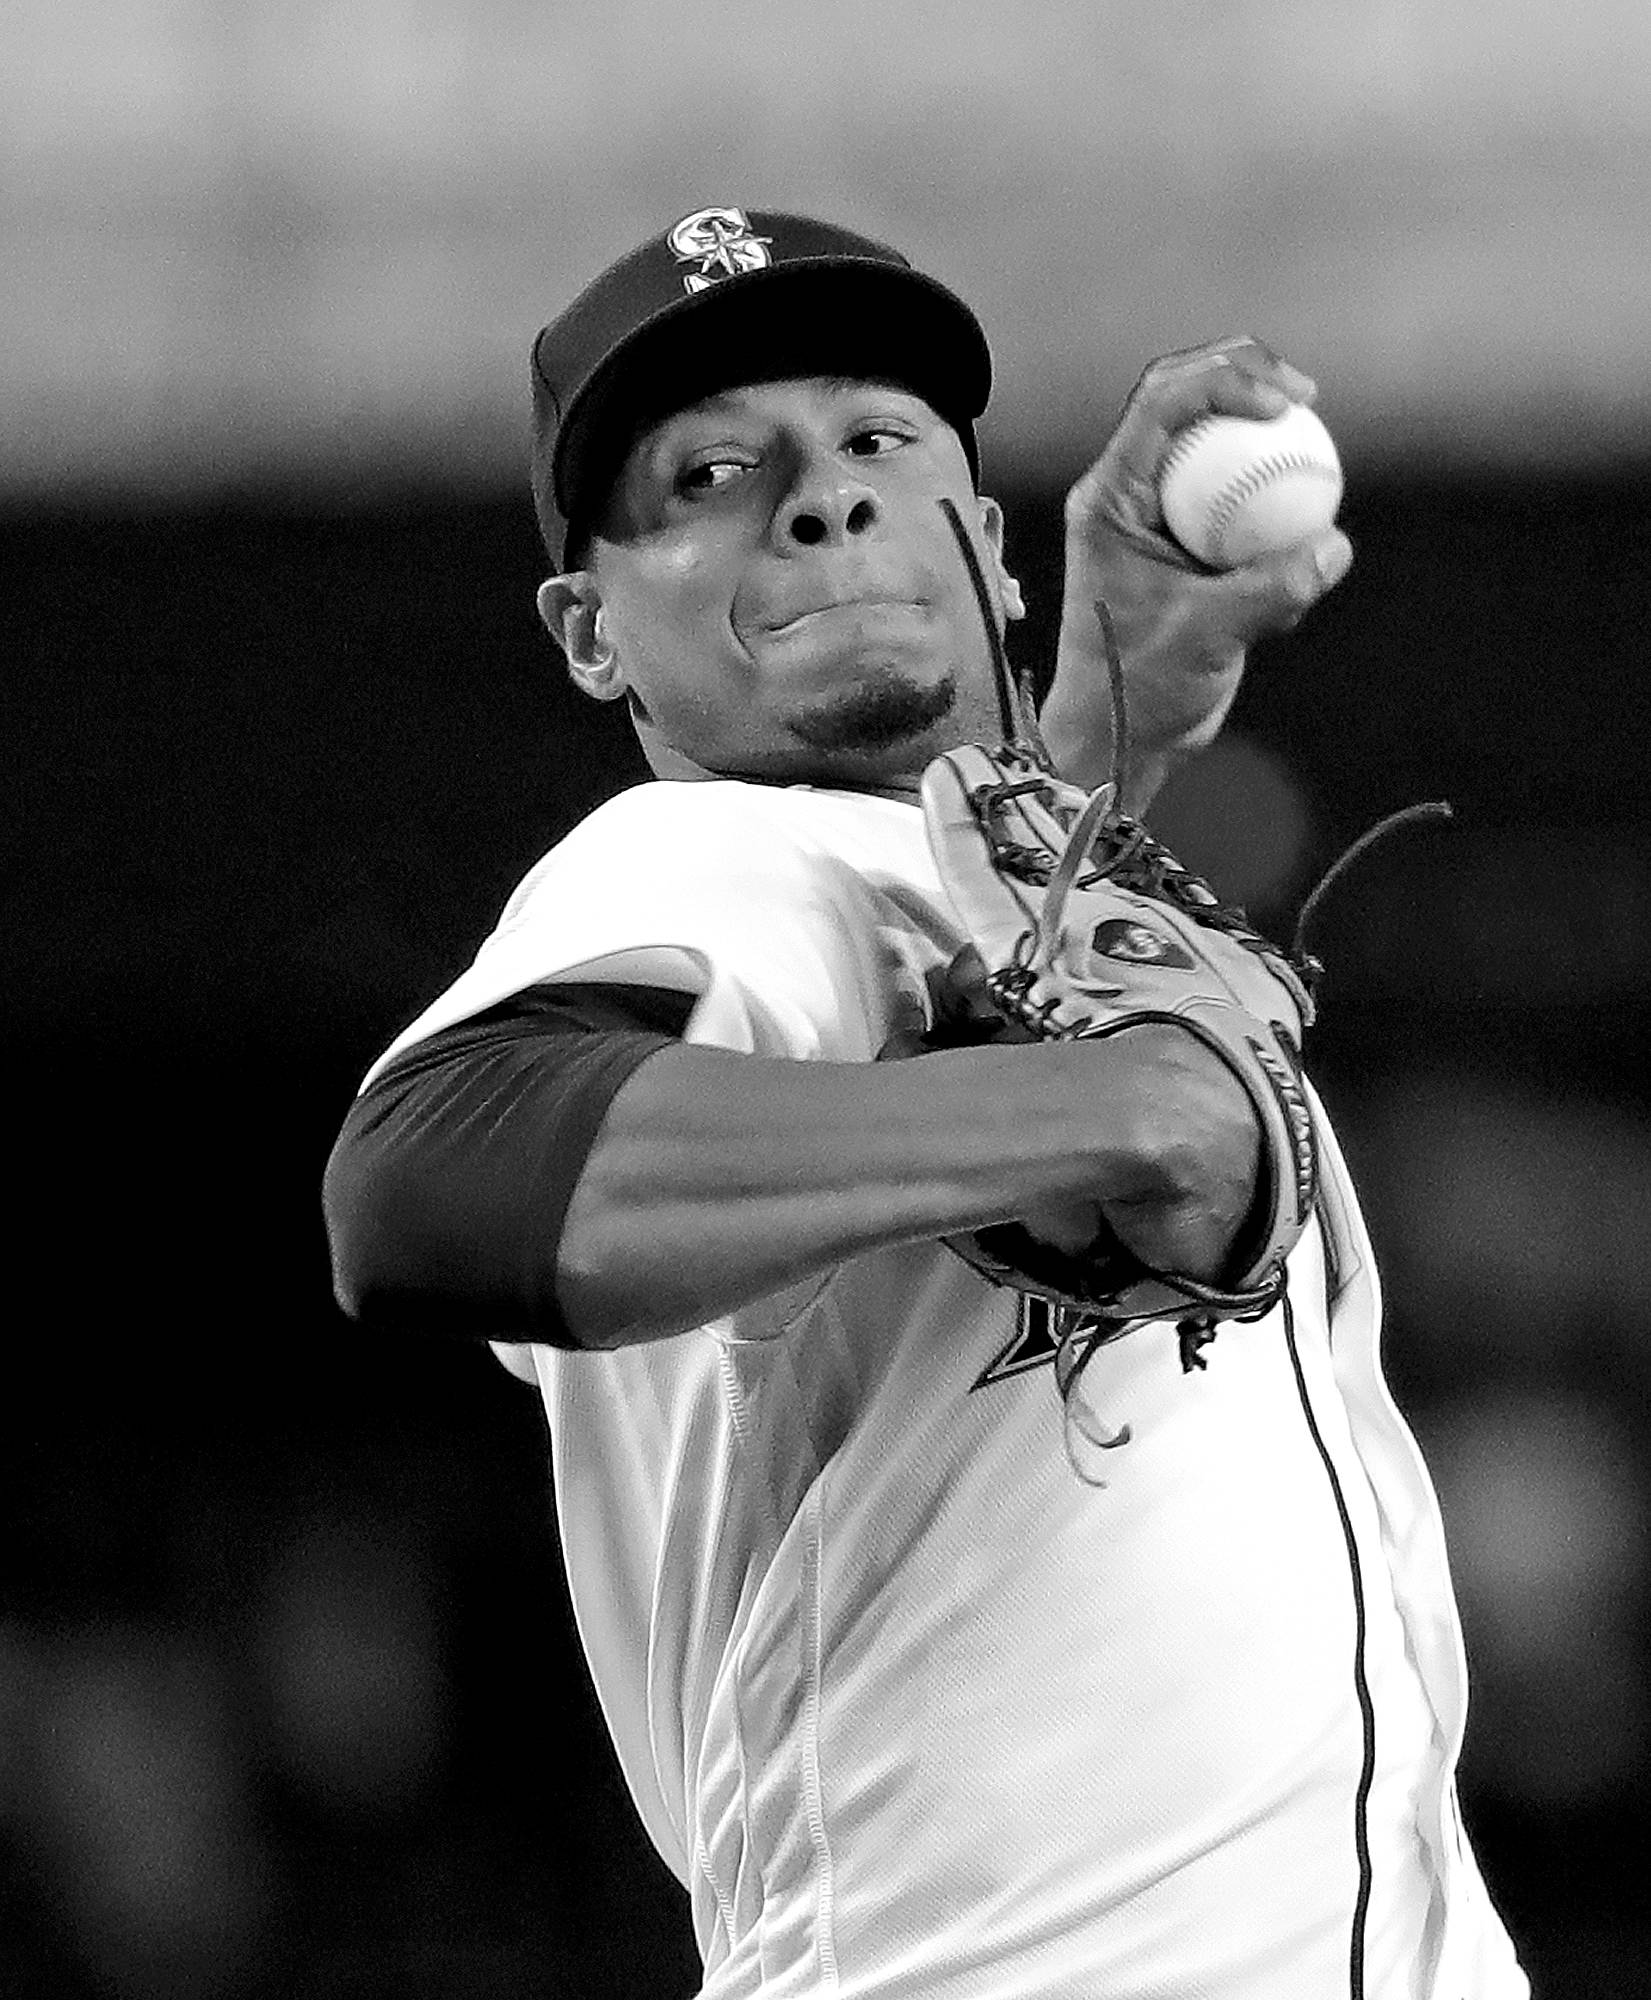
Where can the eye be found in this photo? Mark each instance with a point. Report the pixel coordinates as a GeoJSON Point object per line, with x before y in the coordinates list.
{"type": "Point", "coordinates": [876, 440]}
{"type": "Point", "coordinates": [709, 474]}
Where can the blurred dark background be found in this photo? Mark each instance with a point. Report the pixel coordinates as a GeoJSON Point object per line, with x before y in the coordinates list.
{"type": "Point", "coordinates": [290, 1701]}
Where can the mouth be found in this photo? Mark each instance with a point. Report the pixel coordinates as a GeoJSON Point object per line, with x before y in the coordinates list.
{"type": "Point", "coordinates": [874, 608]}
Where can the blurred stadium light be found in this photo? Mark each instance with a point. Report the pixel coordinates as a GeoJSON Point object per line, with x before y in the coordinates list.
{"type": "Point", "coordinates": [1547, 1514]}
{"type": "Point", "coordinates": [140, 1809]}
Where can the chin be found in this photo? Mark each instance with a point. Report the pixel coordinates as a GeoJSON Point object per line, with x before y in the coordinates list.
{"type": "Point", "coordinates": [885, 710]}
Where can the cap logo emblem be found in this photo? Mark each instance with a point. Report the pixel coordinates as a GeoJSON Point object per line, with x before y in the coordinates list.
{"type": "Point", "coordinates": [720, 243]}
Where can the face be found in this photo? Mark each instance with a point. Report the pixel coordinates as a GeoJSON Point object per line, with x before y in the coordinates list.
{"type": "Point", "coordinates": [775, 586]}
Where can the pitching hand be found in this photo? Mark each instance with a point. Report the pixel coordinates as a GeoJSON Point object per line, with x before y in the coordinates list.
{"type": "Point", "coordinates": [1183, 630]}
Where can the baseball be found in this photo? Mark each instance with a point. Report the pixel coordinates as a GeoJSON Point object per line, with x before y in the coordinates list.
{"type": "Point", "coordinates": [1235, 488]}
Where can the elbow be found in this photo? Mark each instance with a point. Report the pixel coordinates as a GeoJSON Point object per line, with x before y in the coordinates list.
{"type": "Point", "coordinates": [358, 1244]}
{"type": "Point", "coordinates": [603, 1305]}
{"type": "Point", "coordinates": [620, 1279]}
{"type": "Point", "coordinates": [400, 1260]}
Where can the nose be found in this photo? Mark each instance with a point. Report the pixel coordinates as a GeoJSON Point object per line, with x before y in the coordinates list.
{"type": "Point", "coordinates": [826, 505]}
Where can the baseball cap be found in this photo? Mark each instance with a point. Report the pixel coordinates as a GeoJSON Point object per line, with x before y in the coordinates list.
{"type": "Point", "coordinates": [722, 297]}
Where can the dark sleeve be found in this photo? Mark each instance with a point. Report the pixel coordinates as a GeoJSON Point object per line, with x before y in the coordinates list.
{"type": "Point", "coordinates": [446, 1191]}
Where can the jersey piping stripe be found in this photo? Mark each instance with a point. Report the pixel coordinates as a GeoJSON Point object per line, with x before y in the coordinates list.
{"type": "Point", "coordinates": [813, 1793]}
{"type": "Point", "coordinates": [1361, 1683]}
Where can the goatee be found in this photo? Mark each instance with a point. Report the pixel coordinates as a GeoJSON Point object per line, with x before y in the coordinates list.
{"type": "Point", "coordinates": [881, 710]}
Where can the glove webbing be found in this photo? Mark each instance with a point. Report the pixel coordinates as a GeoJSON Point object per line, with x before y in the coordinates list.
{"type": "Point", "coordinates": [1123, 852]}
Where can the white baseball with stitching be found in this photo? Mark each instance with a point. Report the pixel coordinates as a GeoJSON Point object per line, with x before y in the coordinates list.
{"type": "Point", "coordinates": [1236, 488]}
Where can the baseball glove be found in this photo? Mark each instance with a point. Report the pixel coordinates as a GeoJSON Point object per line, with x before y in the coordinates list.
{"type": "Point", "coordinates": [1086, 926]}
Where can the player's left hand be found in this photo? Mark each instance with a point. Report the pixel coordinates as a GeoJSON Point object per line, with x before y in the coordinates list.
{"type": "Point", "coordinates": [1184, 631]}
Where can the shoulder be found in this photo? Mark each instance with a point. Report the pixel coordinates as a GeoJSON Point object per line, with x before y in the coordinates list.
{"type": "Point", "coordinates": [776, 893]}
{"type": "Point", "coordinates": [728, 835]}
{"type": "Point", "coordinates": [735, 808]}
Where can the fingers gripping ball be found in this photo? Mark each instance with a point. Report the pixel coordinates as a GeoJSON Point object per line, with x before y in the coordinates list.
{"type": "Point", "coordinates": [1237, 488]}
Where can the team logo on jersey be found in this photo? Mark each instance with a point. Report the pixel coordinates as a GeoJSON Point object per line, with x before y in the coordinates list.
{"type": "Point", "coordinates": [720, 243]}
{"type": "Point", "coordinates": [1039, 1327]}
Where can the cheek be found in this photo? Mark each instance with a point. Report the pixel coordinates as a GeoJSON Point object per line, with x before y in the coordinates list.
{"type": "Point", "coordinates": [669, 619]}
{"type": "Point", "coordinates": [672, 631]}
{"type": "Point", "coordinates": [682, 589]}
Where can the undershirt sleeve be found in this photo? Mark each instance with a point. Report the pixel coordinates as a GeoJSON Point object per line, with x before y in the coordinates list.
{"type": "Point", "coordinates": [447, 1189]}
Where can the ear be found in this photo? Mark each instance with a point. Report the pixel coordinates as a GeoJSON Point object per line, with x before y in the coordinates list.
{"type": "Point", "coordinates": [991, 528]}
{"type": "Point", "coordinates": [571, 607]}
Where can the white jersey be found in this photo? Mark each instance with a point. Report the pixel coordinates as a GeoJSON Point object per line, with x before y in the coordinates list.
{"type": "Point", "coordinates": [913, 1711]}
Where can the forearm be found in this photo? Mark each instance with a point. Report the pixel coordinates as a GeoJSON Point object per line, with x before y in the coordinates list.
{"type": "Point", "coordinates": [720, 1178]}
{"type": "Point", "coordinates": [1179, 679]}
{"type": "Point", "coordinates": [1081, 753]}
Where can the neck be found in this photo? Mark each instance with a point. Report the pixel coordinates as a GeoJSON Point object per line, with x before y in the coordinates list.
{"type": "Point", "coordinates": [672, 765]}
{"type": "Point", "coordinates": [665, 762]}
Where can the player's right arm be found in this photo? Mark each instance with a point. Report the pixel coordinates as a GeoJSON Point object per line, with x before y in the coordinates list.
{"type": "Point", "coordinates": [1185, 633]}
{"type": "Point", "coordinates": [478, 1195]}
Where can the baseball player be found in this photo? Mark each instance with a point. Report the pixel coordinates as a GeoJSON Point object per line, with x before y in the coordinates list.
{"type": "Point", "coordinates": [911, 1699]}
